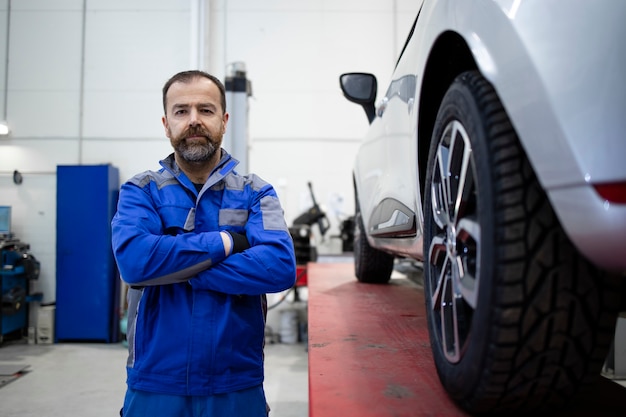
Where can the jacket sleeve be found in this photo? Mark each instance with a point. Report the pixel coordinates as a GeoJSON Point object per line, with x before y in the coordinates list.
{"type": "Point", "coordinates": [269, 265]}
{"type": "Point", "coordinates": [147, 256]}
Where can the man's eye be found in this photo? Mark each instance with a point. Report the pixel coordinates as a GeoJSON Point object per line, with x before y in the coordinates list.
{"type": "Point", "coordinates": [180, 112]}
{"type": "Point", "coordinates": [206, 111]}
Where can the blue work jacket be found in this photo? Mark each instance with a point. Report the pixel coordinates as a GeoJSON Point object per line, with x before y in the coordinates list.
{"type": "Point", "coordinates": [196, 317]}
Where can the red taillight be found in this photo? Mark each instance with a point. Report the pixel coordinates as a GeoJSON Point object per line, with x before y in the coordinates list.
{"type": "Point", "coordinates": [614, 192]}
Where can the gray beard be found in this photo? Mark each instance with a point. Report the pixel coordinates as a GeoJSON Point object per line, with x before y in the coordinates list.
{"type": "Point", "coordinates": [196, 153]}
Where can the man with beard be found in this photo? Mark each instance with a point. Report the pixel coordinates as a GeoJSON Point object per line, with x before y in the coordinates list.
{"type": "Point", "coordinates": [199, 245]}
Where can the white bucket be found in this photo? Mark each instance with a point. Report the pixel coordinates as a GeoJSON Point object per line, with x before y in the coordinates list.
{"type": "Point", "coordinates": [288, 326]}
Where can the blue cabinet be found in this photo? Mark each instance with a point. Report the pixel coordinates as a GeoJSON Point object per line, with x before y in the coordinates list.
{"type": "Point", "coordinates": [87, 281]}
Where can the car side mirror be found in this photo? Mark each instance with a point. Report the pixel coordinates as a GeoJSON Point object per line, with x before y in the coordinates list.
{"type": "Point", "coordinates": [360, 88]}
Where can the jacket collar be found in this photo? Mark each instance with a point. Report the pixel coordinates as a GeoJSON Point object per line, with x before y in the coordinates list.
{"type": "Point", "coordinates": [225, 165]}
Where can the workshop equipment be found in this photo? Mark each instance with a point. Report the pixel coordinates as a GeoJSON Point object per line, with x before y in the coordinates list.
{"type": "Point", "coordinates": [17, 267]}
{"type": "Point", "coordinates": [303, 237]}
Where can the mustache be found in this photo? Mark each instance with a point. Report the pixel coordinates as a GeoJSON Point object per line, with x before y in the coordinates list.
{"type": "Point", "coordinates": [196, 131]}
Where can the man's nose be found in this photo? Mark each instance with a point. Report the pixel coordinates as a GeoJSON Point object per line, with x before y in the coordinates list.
{"type": "Point", "coordinates": [193, 117]}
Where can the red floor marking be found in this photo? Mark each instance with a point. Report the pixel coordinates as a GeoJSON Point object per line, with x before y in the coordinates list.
{"type": "Point", "coordinates": [369, 353]}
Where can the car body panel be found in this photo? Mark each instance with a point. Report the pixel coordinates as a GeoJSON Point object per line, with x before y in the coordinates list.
{"type": "Point", "coordinates": [558, 71]}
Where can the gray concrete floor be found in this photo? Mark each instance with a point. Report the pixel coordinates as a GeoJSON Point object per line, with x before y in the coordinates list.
{"type": "Point", "coordinates": [71, 379]}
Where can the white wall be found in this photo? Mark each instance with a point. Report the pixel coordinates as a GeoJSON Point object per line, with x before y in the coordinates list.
{"type": "Point", "coordinates": [84, 81]}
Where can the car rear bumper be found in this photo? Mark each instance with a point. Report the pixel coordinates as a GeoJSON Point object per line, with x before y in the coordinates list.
{"type": "Point", "coordinates": [597, 227]}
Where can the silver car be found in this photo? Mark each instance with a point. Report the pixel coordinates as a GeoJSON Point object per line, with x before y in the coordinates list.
{"type": "Point", "coordinates": [497, 158]}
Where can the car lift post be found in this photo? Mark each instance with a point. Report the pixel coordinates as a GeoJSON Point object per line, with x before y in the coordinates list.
{"type": "Point", "coordinates": [238, 89]}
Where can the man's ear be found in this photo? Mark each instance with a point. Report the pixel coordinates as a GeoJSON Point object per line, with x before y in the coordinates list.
{"type": "Point", "coordinates": [225, 122]}
{"type": "Point", "coordinates": [166, 126]}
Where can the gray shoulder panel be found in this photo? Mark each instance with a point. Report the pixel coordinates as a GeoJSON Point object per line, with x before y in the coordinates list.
{"type": "Point", "coordinates": [273, 215]}
{"type": "Point", "coordinates": [161, 179]}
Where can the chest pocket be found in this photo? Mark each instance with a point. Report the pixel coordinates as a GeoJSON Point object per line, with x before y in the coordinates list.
{"type": "Point", "coordinates": [177, 219]}
{"type": "Point", "coordinates": [233, 217]}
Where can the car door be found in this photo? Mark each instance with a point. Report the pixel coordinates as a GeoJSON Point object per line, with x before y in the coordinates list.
{"type": "Point", "coordinates": [386, 163]}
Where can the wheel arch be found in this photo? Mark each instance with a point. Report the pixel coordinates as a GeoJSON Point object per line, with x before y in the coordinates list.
{"type": "Point", "coordinates": [449, 57]}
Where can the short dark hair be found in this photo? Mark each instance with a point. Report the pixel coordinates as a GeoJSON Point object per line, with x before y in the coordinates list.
{"type": "Point", "coordinates": [187, 76]}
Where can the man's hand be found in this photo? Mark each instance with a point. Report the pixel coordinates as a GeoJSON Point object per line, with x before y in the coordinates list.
{"type": "Point", "coordinates": [239, 242]}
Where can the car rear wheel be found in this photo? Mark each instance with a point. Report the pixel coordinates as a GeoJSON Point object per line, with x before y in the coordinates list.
{"type": "Point", "coordinates": [518, 319]}
{"type": "Point", "coordinates": [370, 265]}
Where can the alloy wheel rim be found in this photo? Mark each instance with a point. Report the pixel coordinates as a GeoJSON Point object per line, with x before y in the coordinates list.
{"type": "Point", "coordinates": [453, 256]}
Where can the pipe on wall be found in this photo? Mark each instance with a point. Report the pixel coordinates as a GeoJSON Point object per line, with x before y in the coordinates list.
{"type": "Point", "coordinates": [6, 64]}
{"type": "Point", "coordinates": [208, 36]}
{"type": "Point", "coordinates": [81, 93]}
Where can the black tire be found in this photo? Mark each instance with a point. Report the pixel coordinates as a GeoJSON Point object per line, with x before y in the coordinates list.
{"type": "Point", "coordinates": [371, 265]}
{"type": "Point", "coordinates": [518, 319]}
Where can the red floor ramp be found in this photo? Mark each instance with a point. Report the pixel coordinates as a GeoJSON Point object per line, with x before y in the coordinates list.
{"type": "Point", "coordinates": [369, 353]}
